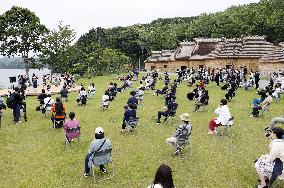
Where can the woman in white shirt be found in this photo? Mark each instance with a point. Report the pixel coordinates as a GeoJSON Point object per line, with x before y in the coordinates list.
{"type": "Point", "coordinates": [223, 118]}
{"type": "Point", "coordinates": [266, 163]}
{"type": "Point", "coordinates": [163, 178]}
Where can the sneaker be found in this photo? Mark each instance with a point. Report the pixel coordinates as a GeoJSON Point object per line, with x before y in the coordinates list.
{"type": "Point", "coordinates": [18, 122]}
{"type": "Point", "coordinates": [86, 174]}
{"type": "Point", "coordinates": [158, 121]}
{"type": "Point", "coordinates": [211, 132]}
{"type": "Point", "coordinates": [103, 170]}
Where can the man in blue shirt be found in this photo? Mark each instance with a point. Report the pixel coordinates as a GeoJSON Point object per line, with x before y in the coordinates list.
{"type": "Point", "coordinates": [129, 113]}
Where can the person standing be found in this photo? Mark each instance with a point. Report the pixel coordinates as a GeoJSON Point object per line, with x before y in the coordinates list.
{"type": "Point", "coordinates": [34, 80]}
{"type": "Point", "coordinates": [256, 79]}
{"type": "Point", "coordinates": [17, 102]}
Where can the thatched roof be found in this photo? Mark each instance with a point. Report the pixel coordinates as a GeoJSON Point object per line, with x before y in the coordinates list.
{"type": "Point", "coordinates": [276, 56]}
{"type": "Point", "coordinates": [215, 48]}
{"type": "Point", "coordinates": [199, 49]}
{"type": "Point", "coordinates": [247, 47]}
{"type": "Point", "coordinates": [160, 56]}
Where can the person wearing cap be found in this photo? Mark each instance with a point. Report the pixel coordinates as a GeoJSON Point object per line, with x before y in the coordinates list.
{"type": "Point", "coordinates": [183, 129]}
{"type": "Point", "coordinates": [100, 143]}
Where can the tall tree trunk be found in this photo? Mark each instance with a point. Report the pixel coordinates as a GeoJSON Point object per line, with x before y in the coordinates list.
{"type": "Point", "coordinates": [26, 62]}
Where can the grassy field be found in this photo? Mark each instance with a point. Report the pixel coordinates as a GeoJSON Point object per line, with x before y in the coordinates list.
{"type": "Point", "coordinates": [33, 154]}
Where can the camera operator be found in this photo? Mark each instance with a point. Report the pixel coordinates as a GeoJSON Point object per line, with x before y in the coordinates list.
{"type": "Point", "coordinates": [2, 106]}
{"type": "Point", "coordinates": [270, 166]}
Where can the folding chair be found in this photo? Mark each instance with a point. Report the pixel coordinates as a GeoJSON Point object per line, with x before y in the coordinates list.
{"type": "Point", "coordinates": [102, 157]}
{"type": "Point", "coordinates": [223, 129]}
{"type": "Point", "coordinates": [58, 122]}
{"type": "Point", "coordinates": [47, 111]}
{"type": "Point", "coordinates": [132, 123]}
{"type": "Point", "coordinates": [265, 109]}
{"type": "Point", "coordinates": [71, 134]}
{"type": "Point", "coordinates": [183, 141]}
{"type": "Point", "coordinates": [105, 105]}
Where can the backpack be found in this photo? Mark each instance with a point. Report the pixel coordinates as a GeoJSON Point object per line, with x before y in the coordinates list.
{"type": "Point", "coordinates": [11, 101]}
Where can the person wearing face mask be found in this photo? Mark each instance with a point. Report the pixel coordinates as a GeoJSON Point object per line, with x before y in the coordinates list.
{"type": "Point", "coordinates": [270, 166]}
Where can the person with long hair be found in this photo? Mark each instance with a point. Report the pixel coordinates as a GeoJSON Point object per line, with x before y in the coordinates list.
{"type": "Point", "coordinates": [163, 178]}
{"type": "Point", "coordinates": [270, 166]}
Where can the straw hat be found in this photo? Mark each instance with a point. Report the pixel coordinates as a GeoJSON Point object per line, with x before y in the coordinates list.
{"type": "Point", "coordinates": [99, 130]}
{"type": "Point", "coordinates": [184, 117]}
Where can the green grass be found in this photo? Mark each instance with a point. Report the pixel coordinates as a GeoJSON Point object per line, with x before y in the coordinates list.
{"type": "Point", "coordinates": [34, 155]}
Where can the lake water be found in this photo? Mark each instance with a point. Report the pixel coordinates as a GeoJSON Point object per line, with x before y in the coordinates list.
{"type": "Point", "coordinates": [6, 73]}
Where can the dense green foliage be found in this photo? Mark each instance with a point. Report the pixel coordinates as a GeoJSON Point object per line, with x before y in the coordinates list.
{"type": "Point", "coordinates": [21, 34]}
{"type": "Point", "coordinates": [55, 46]}
{"type": "Point", "coordinates": [33, 153]}
{"type": "Point", "coordinates": [263, 18]}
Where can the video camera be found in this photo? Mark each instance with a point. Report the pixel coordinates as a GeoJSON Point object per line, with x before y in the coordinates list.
{"type": "Point", "coordinates": [267, 132]}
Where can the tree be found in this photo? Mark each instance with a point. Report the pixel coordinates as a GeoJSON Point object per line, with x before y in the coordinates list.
{"type": "Point", "coordinates": [21, 33]}
{"type": "Point", "coordinates": [55, 52]}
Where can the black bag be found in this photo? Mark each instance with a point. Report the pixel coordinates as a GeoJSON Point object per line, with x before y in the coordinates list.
{"type": "Point", "coordinates": [38, 108]}
{"type": "Point", "coordinates": [11, 101]}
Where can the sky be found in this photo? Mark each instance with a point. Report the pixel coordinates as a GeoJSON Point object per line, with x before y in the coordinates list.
{"type": "Point", "coordinates": [86, 14]}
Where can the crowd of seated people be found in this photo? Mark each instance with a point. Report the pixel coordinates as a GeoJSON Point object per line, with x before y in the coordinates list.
{"type": "Point", "coordinates": [200, 94]}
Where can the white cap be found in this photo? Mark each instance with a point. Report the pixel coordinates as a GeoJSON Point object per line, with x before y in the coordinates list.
{"type": "Point", "coordinates": [99, 130]}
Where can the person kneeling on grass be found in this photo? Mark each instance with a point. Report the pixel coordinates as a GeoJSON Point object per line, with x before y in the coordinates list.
{"type": "Point", "coordinates": [183, 129]}
{"type": "Point", "coordinates": [100, 143]}
{"type": "Point", "coordinates": [223, 118]}
{"type": "Point", "coordinates": [130, 112]}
